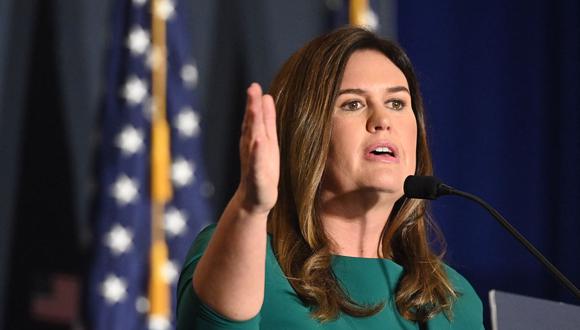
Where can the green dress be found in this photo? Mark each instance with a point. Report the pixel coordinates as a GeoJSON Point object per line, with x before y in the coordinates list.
{"type": "Point", "coordinates": [366, 280]}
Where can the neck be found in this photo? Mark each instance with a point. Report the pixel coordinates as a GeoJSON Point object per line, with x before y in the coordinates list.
{"type": "Point", "coordinates": [354, 221]}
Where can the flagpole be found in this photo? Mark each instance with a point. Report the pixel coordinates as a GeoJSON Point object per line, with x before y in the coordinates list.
{"type": "Point", "coordinates": [159, 290]}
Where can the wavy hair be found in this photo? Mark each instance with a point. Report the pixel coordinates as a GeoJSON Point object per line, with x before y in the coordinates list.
{"type": "Point", "coordinates": [304, 91]}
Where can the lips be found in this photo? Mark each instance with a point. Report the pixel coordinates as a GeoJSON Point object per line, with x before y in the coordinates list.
{"type": "Point", "coordinates": [382, 151]}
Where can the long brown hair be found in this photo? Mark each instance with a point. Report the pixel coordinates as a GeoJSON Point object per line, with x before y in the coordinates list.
{"type": "Point", "coordinates": [304, 91]}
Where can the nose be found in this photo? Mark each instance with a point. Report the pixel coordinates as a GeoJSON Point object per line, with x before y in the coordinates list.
{"type": "Point", "coordinates": [378, 120]}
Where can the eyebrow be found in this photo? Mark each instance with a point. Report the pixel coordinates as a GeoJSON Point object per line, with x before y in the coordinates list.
{"type": "Point", "coordinates": [394, 89]}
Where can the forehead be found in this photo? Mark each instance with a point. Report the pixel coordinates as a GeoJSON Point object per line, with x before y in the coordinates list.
{"type": "Point", "coordinates": [372, 68]}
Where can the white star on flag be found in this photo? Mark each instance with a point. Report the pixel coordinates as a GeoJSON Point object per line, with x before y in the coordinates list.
{"type": "Point", "coordinates": [371, 20]}
{"type": "Point", "coordinates": [182, 172]}
{"type": "Point", "coordinates": [165, 10]}
{"type": "Point", "coordinates": [125, 190]}
{"type": "Point", "coordinates": [170, 272]}
{"type": "Point", "coordinates": [189, 75]}
{"type": "Point", "coordinates": [138, 40]}
{"type": "Point", "coordinates": [119, 239]}
{"type": "Point", "coordinates": [187, 122]}
{"type": "Point", "coordinates": [142, 305]}
{"type": "Point", "coordinates": [159, 323]}
{"type": "Point", "coordinates": [130, 140]}
{"type": "Point", "coordinates": [114, 289]}
{"type": "Point", "coordinates": [134, 90]}
{"type": "Point", "coordinates": [175, 222]}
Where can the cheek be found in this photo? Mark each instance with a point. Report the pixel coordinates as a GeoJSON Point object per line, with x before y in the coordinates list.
{"type": "Point", "coordinates": [342, 152]}
{"type": "Point", "coordinates": [339, 153]}
{"type": "Point", "coordinates": [342, 144]}
{"type": "Point", "coordinates": [338, 167]}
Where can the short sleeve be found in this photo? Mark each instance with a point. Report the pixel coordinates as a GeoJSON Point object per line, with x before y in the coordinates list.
{"type": "Point", "coordinates": [191, 312]}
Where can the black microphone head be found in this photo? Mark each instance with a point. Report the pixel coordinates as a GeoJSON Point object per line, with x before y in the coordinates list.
{"type": "Point", "coordinates": [422, 187]}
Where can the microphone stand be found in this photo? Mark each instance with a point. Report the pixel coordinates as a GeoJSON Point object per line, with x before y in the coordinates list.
{"type": "Point", "coordinates": [444, 189]}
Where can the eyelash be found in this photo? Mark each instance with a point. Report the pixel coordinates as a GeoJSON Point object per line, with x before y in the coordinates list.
{"type": "Point", "coordinates": [347, 105]}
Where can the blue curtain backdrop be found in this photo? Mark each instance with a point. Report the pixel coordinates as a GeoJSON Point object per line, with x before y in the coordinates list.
{"type": "Point", "coordinates": [501, 82]}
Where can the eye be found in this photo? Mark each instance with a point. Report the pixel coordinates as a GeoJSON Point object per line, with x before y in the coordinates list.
{"type": "Point", "coordinates": [396, 104]}
{"type": "Point", "coordinates": [352, 105]}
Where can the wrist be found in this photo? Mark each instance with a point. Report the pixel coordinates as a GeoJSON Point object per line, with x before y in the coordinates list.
{"type": "Point", "coordinates": [247, 208]}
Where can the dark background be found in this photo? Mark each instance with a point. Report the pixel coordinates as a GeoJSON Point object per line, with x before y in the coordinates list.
{"type": "Point", "coordinates": [501, 83]}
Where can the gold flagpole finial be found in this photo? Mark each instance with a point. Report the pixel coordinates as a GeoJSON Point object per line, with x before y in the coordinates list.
{"type": "Point", "coordinates": [357, 12]}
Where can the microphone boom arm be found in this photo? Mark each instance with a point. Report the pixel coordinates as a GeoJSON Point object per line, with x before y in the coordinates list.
{"type": "Point", "coordinates": [444, 189]}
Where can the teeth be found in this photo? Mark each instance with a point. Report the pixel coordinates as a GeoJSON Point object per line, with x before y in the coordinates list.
{"type": "Point", "coordinates": [383, 149]}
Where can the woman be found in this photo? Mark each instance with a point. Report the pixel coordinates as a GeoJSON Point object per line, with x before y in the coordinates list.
{"type": "Point", "coordinates": [318, 234]}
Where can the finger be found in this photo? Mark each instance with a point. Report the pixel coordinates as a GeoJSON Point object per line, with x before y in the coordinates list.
{"type": "Point", "coordinates": [269, 116]}
{"type": "Point", "coordinates": [246, 121]}
{"type": "Point", "coordinates": [249, 114]}
{"type": "Point", "coordinates": [254, 110]}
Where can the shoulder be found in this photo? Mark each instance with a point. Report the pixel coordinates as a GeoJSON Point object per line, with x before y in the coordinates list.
{"type": "Point", "coordinates": [199, 244]}
{"type": "Point", "coordinates": [460, 283]}
{"type": "Point", "coordinates": [467, 308]}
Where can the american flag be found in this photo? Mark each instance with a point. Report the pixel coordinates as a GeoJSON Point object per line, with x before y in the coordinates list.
{"type": "Point", "coordinates": [119, 295]}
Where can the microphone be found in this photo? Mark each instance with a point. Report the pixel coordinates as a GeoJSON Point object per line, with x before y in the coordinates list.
{"type": "Point", "coordinates": [429, 187]}
{"type": "Point", "coordinates": [425, 187]}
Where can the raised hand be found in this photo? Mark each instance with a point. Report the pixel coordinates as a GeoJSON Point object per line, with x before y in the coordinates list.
{"type": "Point", "coordinates": [259, 153]}
{"type": "Point", "coordinates": [230, 275]}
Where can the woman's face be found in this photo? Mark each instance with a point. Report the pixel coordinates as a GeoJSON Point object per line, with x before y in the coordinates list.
{"type": "Point", "coordinates": [374, 132]}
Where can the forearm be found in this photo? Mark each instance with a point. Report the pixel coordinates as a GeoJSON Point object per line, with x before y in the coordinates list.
{"type": "Point", "coordinates": [230, 276]}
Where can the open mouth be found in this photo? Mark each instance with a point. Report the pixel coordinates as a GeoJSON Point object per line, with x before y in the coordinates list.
{"type": "Point", "coordinates": [383, 151]}
{"type": "Point", "coordinates": [379, 151]}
